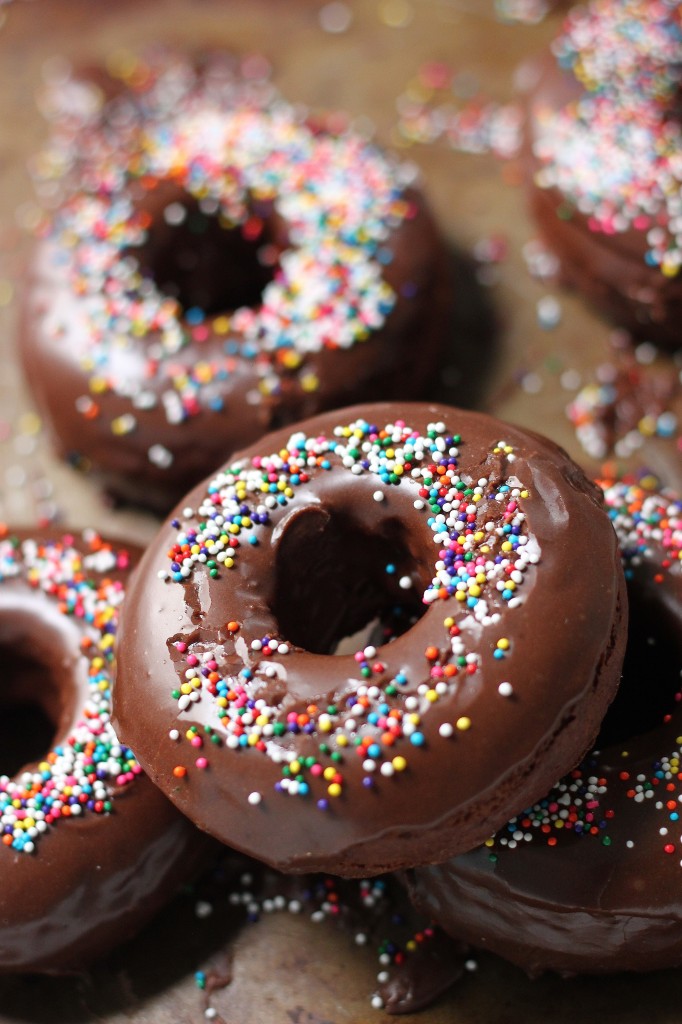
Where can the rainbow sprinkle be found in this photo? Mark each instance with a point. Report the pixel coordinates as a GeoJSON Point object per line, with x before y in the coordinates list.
{"type": "Point", "coordinates": [615, 153]}
{"type": "Point", "coordinates": [649, 527]}
{"type": "Point", "coordinates": [233, 144]}
{"type": "Point", "coordinates": [483, 551]}
{"type": "Point", "coordinates": [83, 771]}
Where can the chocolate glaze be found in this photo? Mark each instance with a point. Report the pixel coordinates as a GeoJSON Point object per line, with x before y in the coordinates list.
{"type": "Point", "coordinates": [93, 880]}
{"type": "Point", "coordinates": [322, 549]}
{"type": "Point", "coordinates": [607, 900]}
{"type": "Point", "coordinates": [396, 361]}
{"type": "Point", "coordinates": [609, 270]}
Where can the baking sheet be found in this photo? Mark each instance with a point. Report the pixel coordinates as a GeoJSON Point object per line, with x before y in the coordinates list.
{"type": "Point", "coordinates": [407, 67]}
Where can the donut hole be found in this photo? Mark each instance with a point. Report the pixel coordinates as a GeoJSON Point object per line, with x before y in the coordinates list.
{"type": "Point", "coordinates": [30, 707]}
{"type": "Point", "coordinates": [194, 256]}
{"type": "Point", "coordinates": [651, 685]}
{"type": "Point", "coordinates": [334, 579]}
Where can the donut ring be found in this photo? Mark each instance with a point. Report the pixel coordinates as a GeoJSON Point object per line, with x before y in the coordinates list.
{"type": "Point", "coordinates": [603, 138]}
{"type": "Point", "coordinates": [321, 277]}
{"type": "Point", "coordinates": [363, 763]}
{"type": "Point", "coordinates": [91, 848]}
{"type": "Point", "coordinates": [587, 880]}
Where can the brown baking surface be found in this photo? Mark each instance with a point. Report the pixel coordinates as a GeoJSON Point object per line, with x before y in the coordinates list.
{"type": "Point", "coordinates": [286, 968]}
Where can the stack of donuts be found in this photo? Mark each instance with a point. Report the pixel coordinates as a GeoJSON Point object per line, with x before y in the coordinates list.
{"type": "Point", "coordinates": [367, 637]}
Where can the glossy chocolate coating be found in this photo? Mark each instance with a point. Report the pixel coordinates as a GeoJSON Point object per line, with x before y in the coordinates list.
{"type": "Point", "coordinates": [396, 360]}
{"type": "Point", "coordinates": [313, 567]}
{"type": "Point", "coordinates": [606, 900]}
{"type": "Point", "coordinates": [92, 880]}
{"type": "Point", "coordinates": [609, 270]}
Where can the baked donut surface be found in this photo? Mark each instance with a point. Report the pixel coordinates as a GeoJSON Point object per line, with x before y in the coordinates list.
{"type": "Point", "coordinates": [220, 264]}
{"type": "Point", "coordinates": [603, 141]}
{"type": "Point", "coordinates": [91, 849]}
{"type": "Point", "coordinates": [587, 880]}
{"type": "Point", "coordinates": [482, 546]}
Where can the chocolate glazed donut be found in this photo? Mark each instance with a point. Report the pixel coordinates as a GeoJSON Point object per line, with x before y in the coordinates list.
{"type": "Point", "coordinates": [602, 140]}
{"type": "Point", "coordinates": [219, 266]}
{"type": "Point", "coordinates": [588, 879]}
{"type": "Point", "coordinates": [91, 848]}
{"type": "Point", "coordinates": [481, 545]}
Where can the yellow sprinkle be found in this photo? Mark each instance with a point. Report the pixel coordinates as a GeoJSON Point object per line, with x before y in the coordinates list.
{"type": "Point", "coordinates": [6, 291]}
{"type": "Point", "coordinates": [396, 13]}
{"type": "Point", "coordinates": [334, 789]}
{"type": "Point", "coordinates": [329, 774]}
{"type": "Point", "coordinates": [399, 763]}
{"type": "Point", "coordinates": [121, 63]}
{"type": "Point", "coordinates": [503, 644]}
{"type": "Point", "coordinates": [221, 324]}
{"type": "Point", "coordinates": [463, 723]}
{"type": "Point", "coordinates": [292, 360]}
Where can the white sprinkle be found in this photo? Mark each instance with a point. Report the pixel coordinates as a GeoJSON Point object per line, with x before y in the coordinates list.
{"type": "Point", "coordinates": [549, 312]}
{"type": "Point", "coordinates": [174, 214]}
{"type": "Point", "coordinates": [159, 456]}
{"type": "Point", "coordinates": [378, 495]}
{"type": "Point", "coordinates": [505, 689]}
{"type": "Point", "coordinates": [255, 799]}
{"type": "Point", "coordinates": [335, 17]}
{"type": "Point", "coordinates": [405, 582]}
